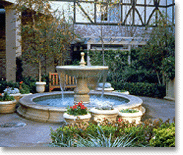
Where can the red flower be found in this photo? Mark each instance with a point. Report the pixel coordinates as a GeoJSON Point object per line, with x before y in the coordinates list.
{"type": "Point", "coordinates": [0, 94]}
{"type": "Point", "coordinates": [83, 107]}
{"type": "Point", "coordinates": [120, 120]}
{"type": "Point", "coordinates": [21, 82]}
{"type": "Point", "coordinates": [74, 107]}
{"type": "Point", "coordinates": [80, 104]}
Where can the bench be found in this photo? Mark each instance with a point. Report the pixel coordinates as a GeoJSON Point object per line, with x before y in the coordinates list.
{"type": "Point", "coordinates": [54, 82]}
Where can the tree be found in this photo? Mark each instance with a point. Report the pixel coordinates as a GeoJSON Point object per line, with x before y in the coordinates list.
{"type": "Point", "coordinates": [160, 46]}
{"type": "Point", "coordinates": [44, 35]}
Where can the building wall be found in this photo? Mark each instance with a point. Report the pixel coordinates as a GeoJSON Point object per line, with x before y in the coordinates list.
{"type": "Point", "coordinates": [2, 44]}
{"type": "Point", "coordinates": [110, 31]}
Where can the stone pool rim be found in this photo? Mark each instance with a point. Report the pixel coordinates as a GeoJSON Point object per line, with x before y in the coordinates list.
{"type": "Point", "coordinates": [45, 113]}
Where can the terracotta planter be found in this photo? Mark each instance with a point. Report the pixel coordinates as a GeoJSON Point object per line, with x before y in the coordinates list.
{"type": "Point", "coordinates": [131, 116]}
{"type": "Point", "coordinates": [7, 106]}
{"type": "Point", "coordinates": [101, 115]}
{"type": "Point", "coordinates": [40, 87]}
{"type": "Point", "coordinates": [77, 119]}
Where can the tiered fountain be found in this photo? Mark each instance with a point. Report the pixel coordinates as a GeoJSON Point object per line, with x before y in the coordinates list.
{"type": "Point", "coordinates": [42, 106]}
{"type": "Point", "coordinates": [82, 73]}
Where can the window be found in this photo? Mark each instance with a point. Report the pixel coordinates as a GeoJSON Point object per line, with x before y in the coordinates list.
{"type": "Point", "coordinates": [104, 12]}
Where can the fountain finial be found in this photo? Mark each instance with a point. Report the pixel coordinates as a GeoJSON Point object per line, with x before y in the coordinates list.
{"type": "Point", "coordinates": [82, 62]}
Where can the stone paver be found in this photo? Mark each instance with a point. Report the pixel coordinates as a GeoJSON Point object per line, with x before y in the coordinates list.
{"type": "Point", "coordinates": [37, 134]}
{"type": "Point", "coordinates": [158, 108]}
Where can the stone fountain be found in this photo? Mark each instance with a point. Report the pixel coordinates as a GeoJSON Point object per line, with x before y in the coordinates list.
{"type": "Point", "coordinates": [82, 73]}
{"type": "Point", "coordinates": [48, 111]}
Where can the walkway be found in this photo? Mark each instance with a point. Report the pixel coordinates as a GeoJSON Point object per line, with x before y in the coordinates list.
{"type": "Point", "coordinates": [35, 134]}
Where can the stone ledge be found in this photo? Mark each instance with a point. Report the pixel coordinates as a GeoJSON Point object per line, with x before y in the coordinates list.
{"type": "Point", "coordinates": [43, 113]}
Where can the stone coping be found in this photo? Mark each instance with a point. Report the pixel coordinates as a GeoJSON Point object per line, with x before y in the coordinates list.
{"type": "Point", "coordinates": [7, 102]}
{"type": "Point", "coordinates": [28, 100]}
{"type": "Point", "coordinates": [125, 92]}
{"type": "Point", "coordinates": [109, 112]}
{"type": "Point", "coordinates": [87, 68]}
{"type": "Point", "coordinates": [105, 89]}
{"type": "Point", "coordinates": [136, 114]}
{"type": "Point", "coordinates": [44, 113]}
{"type": "Point", "coordinates": [67, 116]}
{"type": "Point", "coordinates": [18, 94]}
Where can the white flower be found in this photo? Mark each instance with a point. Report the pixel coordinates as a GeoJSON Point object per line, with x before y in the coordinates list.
{"type": "Point", "coordinates": [106, 105]}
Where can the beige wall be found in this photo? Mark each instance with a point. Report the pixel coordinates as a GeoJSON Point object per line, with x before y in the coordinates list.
{"type": "Point", "coordinates": [170, 90]}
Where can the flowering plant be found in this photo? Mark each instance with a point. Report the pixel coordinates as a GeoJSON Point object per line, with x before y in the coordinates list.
{"type": "Point", "coordinates": [6, 97]}
{"type": "Point", "coordinates": [129, 111]}
{"type": "Point", "coordinates": [77, 109]}
{"type": "Point", "coordinates": [20, 82]}
{"type": "Point", "coordinates": [104, 106]}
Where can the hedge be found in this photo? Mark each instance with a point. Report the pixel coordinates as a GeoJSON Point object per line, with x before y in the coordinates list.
{"type": "Point", "coordinates": [142, 89]}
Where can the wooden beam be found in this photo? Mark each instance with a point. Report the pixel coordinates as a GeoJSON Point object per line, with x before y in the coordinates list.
{"type": "Point", "coordinates": [84, 12]}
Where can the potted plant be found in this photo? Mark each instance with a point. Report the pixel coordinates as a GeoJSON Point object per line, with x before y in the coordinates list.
{"type": "Point", "coordinates": [104, 110]}
{"type": "Point", "coordinates": [15, 92]}
{"type": "Point", "coordinates": [130, 115]}
{"type": "Point", "coordinates": [77, 113]}
{"type": "Point", "coordinates": [7, 103]}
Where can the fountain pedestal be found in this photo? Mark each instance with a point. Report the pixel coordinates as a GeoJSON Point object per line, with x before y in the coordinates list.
{"type": "Point", "coordinates": [81, 91]}
{"type": "Point", "coordinates": [82, 73]}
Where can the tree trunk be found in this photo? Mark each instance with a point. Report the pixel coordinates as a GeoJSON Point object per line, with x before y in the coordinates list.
{"type": "Point", "coordinates": [163, 77]}
{"type": "Point", "coordinates": [39, 71]}
{"type": "Point", "coordinates": [156, 72]}
{"type": "Point", "coordinates": [102, 41]}
{"type": "Point", "coordinates": [158, 77]}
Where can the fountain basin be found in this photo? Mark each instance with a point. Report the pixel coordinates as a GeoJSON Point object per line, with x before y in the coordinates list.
{"type": "Point", "coordinates": [82, 71]}
{"type": "Point", "coordinates": [44, 113]}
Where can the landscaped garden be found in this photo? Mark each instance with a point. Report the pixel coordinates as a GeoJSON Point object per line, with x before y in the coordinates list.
{"type": "Point", "coordinates": [103, 125]}
{"type": "Point", "coordinates": [115, 134]}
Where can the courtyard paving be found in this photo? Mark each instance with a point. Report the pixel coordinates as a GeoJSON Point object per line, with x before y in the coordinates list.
{"type": "Point", "coordinates": [27, 133]}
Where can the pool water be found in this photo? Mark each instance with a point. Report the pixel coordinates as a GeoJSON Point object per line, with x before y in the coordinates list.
{"type": "Point", "coordinates": [68, 100]}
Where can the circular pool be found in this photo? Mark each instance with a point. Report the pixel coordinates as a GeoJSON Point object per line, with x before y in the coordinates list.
{"type": "Point", "coordinates": [46, 107]}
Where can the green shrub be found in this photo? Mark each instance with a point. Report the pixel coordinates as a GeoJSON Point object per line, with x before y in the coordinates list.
{"type": "Point", "coordinates": [62, 136]}
{"type": "Point", "coordinates": [104, 141]}
{"type": "Point", "coordinates": [2, 86]}
{"type": "Point", "coordinates": [129, 111]}
{"type": "Point", "coordinates": [169, 67]}
{"type": "Point", "coordinates": [30, 82]}
{"type": "Point", "coordinates": [92, 136]}
{"type": "Point", "coordinates": [25, 89]}
{"type": "Point", "coordinates": [111, 133]}
{"type": "Point", "coordinates": [142, 89]}
{"type": "Point", "coordinates": [6, 97]}
{"type": "Point", "coordinates": [139, 133]}
{"type": "Point", "coordinates": [164, 136]}
{"type": "Point", "coordinates": [116, 60]}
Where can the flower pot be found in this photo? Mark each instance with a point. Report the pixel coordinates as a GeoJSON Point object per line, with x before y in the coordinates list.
{"type": "Point", "coordinates": [130, 117]}
{"type": "Point", "coordinates": [101, 115]}
{"type": "Point", "coordinates": [7, 106]}
{"type": "Point", "coordinates": [40, 87]}
{"type": "Point", "coordinates": [77, 119]}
